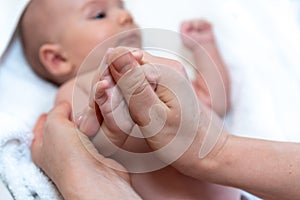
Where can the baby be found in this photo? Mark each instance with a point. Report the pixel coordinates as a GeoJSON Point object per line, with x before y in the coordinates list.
{"type": "Point", "coordinates": [57, 35]}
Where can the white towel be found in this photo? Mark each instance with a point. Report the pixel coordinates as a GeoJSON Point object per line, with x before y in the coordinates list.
{"type": "Point", "coordinates": [23, 94]}
{"type": "Point", "coordinates": [24, 97]}
{"type": "Point", "coordinates": [10, 12]}
{"type": "Point", "coordinates": [17, 171]}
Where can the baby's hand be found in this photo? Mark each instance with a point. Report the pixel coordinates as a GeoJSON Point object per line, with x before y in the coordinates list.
{"type": "Point", "coordinates": [196, 31]}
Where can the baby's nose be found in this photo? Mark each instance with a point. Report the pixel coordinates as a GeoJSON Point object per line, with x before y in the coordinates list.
{"type": "Point", "coordinates": [125, 18]}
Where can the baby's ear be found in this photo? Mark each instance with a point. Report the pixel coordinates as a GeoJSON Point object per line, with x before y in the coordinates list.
{"type": "Point", "coordinates": [52, 58]}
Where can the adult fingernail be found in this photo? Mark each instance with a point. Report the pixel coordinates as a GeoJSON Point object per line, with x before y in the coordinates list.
{"type": "Point", "coordinates": [123, 61]}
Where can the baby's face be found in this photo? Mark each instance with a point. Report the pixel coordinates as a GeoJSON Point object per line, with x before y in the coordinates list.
{"type": "Point", "coordinates": [88, 23]}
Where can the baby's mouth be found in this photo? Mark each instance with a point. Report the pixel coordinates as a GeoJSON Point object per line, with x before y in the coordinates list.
{"type": "Point", "coordinates": [131, 39]}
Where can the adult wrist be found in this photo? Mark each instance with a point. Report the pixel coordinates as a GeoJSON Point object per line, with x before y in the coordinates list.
{"type": "Point", "coordinates": [212, 163]}
{"type": "Point", "coordinates": [69, 183]}
{"type": "Point", "coordinates": [207, 168]}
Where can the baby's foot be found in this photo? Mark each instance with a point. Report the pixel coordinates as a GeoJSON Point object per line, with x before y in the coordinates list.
{"type": "Point", "coordinates": [196, 32]}
{"type": "Point", "coordinates": [117, 123]}
{"type": "Point", "coordinates": [106, 108]}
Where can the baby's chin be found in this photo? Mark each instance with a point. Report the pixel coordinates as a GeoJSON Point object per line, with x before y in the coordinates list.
{"type": "Point", "coordinates": [133, 44]}
{"type": "Point", "coordinates": [130, 39]}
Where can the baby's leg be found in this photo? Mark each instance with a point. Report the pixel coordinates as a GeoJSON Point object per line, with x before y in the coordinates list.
{"type": "Point", "coordinates": [117, 123]}
{"type": "Point", "coordinates": [106, 106]}
{"type": "Point", "coordinates": [197, 36]}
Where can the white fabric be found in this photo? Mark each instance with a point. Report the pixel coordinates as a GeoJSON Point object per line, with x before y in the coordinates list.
{"type": "Point", "coordinates": [24, 179]}
{"type": "Point", "coordinates": [24, 97]}
{"type": "Point", "coordinates": [259, 40]}
{"type": "Point", "coordinates": [10, 11]}
{"type": "Point", "coordinates": [5, 193]}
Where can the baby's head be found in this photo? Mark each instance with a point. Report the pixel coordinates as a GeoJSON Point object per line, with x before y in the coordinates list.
{"type": "Point", "coordinates": [58, 34]}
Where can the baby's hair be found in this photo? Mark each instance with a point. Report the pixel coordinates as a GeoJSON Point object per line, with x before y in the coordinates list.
{"type": "Point", "coordinates": [36, 28]}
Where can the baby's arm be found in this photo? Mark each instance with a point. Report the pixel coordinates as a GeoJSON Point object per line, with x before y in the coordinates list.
{"type": "Point", "coordinates": [64, 93]}
{"type": "Point", "coordinates": [213, 85]}
{"type": "Point", "coordinates": [86, 119]}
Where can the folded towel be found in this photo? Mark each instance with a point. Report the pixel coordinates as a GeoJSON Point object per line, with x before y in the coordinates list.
{"type": "Point", "coordinates": [17, 171]}
{"type": "Point", "coordinates": [5, 193]}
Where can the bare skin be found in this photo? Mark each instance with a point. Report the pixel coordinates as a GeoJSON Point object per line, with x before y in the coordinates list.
{"type": "Point", "coordinates": [274, 178]}
{"type": "Point", "coordinates": [55, 52]}
{"type": "Point", "coordinates": [163, 183]}
{"type": "Point", "coordinates": [191, 189]}
{"type": "Point", "coordinates": [77, 169]}
{"type": "Point", "coordinates": [211, 84]}
{"type": "Point", "coordinates": [277, 160]}
{"type": "Point", "coordinates": [198, 37]}
{"type": "Point", "coordinates": [267, 169]}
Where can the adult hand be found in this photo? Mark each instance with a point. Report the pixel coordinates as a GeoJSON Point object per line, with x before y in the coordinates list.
{"type": "Point", "coordinates": [257, 166]}
{"type": "Point", "coordinates": [170, 106]}
{"type": "Point", "coordinates": [72, 162]}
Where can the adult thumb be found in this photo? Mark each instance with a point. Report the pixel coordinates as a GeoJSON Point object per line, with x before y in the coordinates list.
{"type": "Point", "coordinates": [135, 87]}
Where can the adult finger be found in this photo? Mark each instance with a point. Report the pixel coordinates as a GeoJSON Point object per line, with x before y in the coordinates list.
{"type": "Point", "coordinates": [134, 86]}
{"type": "Point", "coordinates": [37, 141]}
{"type": "Point", "coordinates": [61, 112]}
{"type": "Point", "coordinates": [39, 128]}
